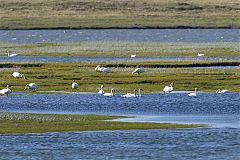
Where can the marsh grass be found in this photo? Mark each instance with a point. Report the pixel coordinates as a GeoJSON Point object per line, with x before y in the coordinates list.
{"type": "Point", "coordinates": [59, 76]}
{"type": "Point", "coordinates": [39, 123]}
{"type": "Point", "coordinates": [122, 48]}
{"type": "Point", "coordinates": [19, 14]}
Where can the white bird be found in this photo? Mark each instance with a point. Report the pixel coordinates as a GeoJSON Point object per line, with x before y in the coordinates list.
{"type": "Point", "coordinates": [10, 55]}
{"type": "Point", "coordinates": [74, 85]}
{"type": "Point", "coordinates": [139, 92]}
{"type": "Point", "coordinates": [31, 86]}
{"type": "Point", "coordinates": [200, 54]}
{"type": "Point", "coordinates": [133, 55]}
{"type": "Point", "coordinates": [101, 91]}
{"type": "Point", "coordinates": [5, 91]}
{"type": "Point", "coordinates": [109, 94]}
{"type": "Point", "coordinates": [128, 95]}
{"type": "Point", "coordinates": [18, 75]}
{"type": "Point", "coordinates": [138, 70]}
{"type": "Point", "coordinates": [222, 91]}
{"type": "Point", "coordinates": [194, 94]}
{"type": "Point", "coordinates": [102, 69]}
{"type": "Point", "coordinates": [168, 89]}
{"type": "Point", "coordinates": [97, 69]}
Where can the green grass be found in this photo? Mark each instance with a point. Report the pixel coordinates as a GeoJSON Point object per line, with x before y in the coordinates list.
{"type": "Point", "coordinates": [40, 123]}
{"type": "Point", "coordinates": [122, 48]}
{"type": "Point", "coordinates": [23, 14]}
{"type": "Point", "coordinates": [59, 76]}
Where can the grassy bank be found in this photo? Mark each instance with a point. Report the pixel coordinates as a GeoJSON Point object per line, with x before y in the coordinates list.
{"type": "Point", "coordinates": [23, 14]}
{"type": "Point", "coordinates": [122, 48]}
{"type": "Point", "coordinates": [59, 76]}
{"type": "Point", "coordinates": [40, 123]}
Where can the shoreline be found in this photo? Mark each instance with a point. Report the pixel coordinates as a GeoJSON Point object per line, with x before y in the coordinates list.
{"type": "Point", "coordinates": [106, 28]}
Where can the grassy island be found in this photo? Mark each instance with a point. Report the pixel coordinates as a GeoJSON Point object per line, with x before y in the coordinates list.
{"type": "Point", "coordinates": [24, 14]}
{"type": "Point", "coordinates": [39, 123]}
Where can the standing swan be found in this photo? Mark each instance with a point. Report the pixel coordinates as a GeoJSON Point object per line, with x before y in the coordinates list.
{"type": "Point", "coordinates": [109, 94]}
{"type": "Point", "coordinates": [101, 91]}
{"type": "Point", "coordinates": [138, 70]}
{"type": "Point", "coordinates": [10, 55]}
{"type": "Point", "coordinates": [6, 91]}
{"type": "Point", "coordinates": [168, 89]}
{"type": "Point", "coordinates": [74, 85]}
{"type": "Point", "coordinates": [193, 94]}
{"type": "Point", "coordinates": [18, 75]}
{"type": "Point", "coordinates": [31, 86]}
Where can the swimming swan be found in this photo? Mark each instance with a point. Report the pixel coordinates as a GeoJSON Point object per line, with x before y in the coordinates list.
{"type": "Point", "coordinates": [222, 91]}
{"type": "Point", "coordinates": [109, 94]}
{"type": "Point", "coordinates": [194, 93]}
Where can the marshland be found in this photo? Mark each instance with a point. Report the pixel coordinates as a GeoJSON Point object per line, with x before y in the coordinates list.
{"type": "Point", "coordinates": [193, 45]}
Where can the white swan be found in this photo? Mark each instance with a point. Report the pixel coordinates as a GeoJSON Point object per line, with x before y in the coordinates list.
{"type": "Point", "coordinates": [18, 75]}
{"type": "Point", "coordinates": [138, 70]}
{"type": "Point", "coordinates": [128, 95]}
{"type": "Point", "coordinates": [200, 54]}
{"type": "Point", "coordinates": [133, 55]}
{"type": "Point", "coordinates": [102, 69]}
{"type": "Point", "coordinates": [139, 92]}
{"type": "Point", "coordinates": [101, 91]}
{"type": "Point", "coordinates": [109, 94]}
{"type": "Point", "coordinates": [31, 86]}
{"type": "Point", "coordinates": [168, 89]}
{"type": "Point", "coordinates": [194, 93]}
{"type": "Point", "coordinates": [222, 91]}
{"type": "Point", "coordinates": [5, 91]}
{"type": "Point", "coordinates": [10, 55]}
{"type": "Point", "coordinates": [74, 85]}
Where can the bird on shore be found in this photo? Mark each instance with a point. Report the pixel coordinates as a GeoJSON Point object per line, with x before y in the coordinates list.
{"type": "Point", "coordinates": [222, 91]}
{"type": "Point", "coordinates": [5, 91]}
{"type": "Point", "coordinates": [138, 70]}
{"type": "Point", "coordinates": [111, 94]}
{"type": "Point", "coordinates": [168, 89]}
{"type": "Point", "coordinates": [18, 75]}
{"type": "Point", "coordinates": [101, 91]}
{"type": "Point", "coordinates": [200, 54]}
{"type": "Point", "coordinates": [11, 55]}
{"type": "Point", "coordinates": [194, 94]}
{"type": "Point", "coordinates": [31, 86]}
{"type": "Point", "coordinates": [74, 85]}
{"type": "Point", "coordinates": [102, 69]}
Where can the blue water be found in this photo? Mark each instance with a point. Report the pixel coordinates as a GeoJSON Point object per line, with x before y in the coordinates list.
{"type": "Point", "coordinates": [160, 35]}
{"type": "Point", "coordinates": [220, 140]}
{"type": "Point", "coordinates": [113, 59]}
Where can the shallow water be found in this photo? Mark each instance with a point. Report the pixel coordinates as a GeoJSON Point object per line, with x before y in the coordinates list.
{"type": "Point", "coordinates": [218, 141]}
{"type": "Point", "coordinates": [115, 59]}
{"type": "Point", "coordinates": [160, 35]}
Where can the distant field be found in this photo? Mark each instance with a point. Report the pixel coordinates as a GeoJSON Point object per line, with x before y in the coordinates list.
{"type": "Point", "coordinates": [25, 14]}
{"type": "Point", "coordinates": [122, 48]}
{"type": "Point", "coordinates": [59, 76]}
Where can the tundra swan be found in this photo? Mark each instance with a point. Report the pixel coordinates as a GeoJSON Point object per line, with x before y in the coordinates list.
{"type": "Point", "coordinates": [6, 91]}
{"type": "Point", "coordinates": [101, 91]}
{"type": "Point", "coordinates": [18, 75]}
{"type": "Point", "coordinates": [74, 85]}
{"type": "Point", "coordinates": [128, 95]}
{"type": "Point", "coordinates": [10, 55]}
{"type": "Point", "coordinates": [222, 91]}
{"type": "Point", "coordinates": [31, 86]}
{"type": "Point", "coordinates": [200, 54]}
{"type": "Point", "coordinates": [109, 94]}
{"type": "Point", "coordinates": [138, 70]}
{"type": "Point", "coordinates": [168, 89]}
{"type": "Point", "coordinates": [194, 93]}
